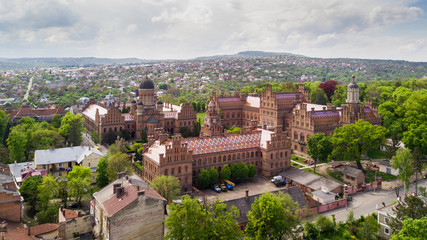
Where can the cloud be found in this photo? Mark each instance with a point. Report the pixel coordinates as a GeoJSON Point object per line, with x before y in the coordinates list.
{"type": "Point", "coordinates": [188, 28]}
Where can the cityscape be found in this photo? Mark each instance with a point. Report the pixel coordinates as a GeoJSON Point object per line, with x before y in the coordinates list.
{"type": "Point", "coordinates": [174, 128]}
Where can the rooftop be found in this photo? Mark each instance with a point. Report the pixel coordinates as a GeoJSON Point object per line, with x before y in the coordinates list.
{"type": "Point", "coordinates": [310, 180]}
{"type": "Point", "coordinates": [90, 111]}
{"type": "Point", "coordinates": [63, 155]}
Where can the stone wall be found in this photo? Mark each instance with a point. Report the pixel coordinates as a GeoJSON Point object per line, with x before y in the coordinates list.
{"type": "Point", "coordinates": [390, 185]}
{"type": "Point", "coordinates": [79, 225]}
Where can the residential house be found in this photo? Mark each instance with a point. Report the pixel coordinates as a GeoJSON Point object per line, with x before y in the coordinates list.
{"type": "Point", "coordinates": [58, 162]}
{"type": "Point", "coordinates": [10, 198]}
{"type": "Point", "coordinates": [128, 209]}
{"type": "Point", "coordinates": [385, 214]}
{"type": "Point", "coordinates": [73, 223]}
{"type": "Point", "coordinates": [353, 175]}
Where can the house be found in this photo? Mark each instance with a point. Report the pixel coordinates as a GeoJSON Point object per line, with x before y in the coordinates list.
{"type": "Point", "coordinates": [73, 222]}
{"type": "Point", "coordinates": [244, 204]}
{"type": "Point", "coordinates": [384, 217]}
{"type": "Point", "coordinates": [20, 171]}
{"type": "Point", "coordinates": [58, 162]}
{"type": "Point", "coordinates": [353, 175]}
{"type": "Point", "coordinates": [10, 199]}
{"type": "Point", "coordinates": [324, 196]}
{"type": "Point", "coordinates": [385, 167]}
{"type": "Point", "coordinates": [128, 209]}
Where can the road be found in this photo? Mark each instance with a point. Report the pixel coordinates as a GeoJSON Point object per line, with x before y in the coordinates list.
{"type": "Point", "coordinates": [30, 85]}
{"type": "Point", "coordinates": [88, 142]}
{"type": "Point", "coordinates": [365, 203]}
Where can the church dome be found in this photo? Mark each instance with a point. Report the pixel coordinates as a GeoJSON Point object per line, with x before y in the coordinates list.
{"type": "Point", "coordinates": [146, 84]}
{"type": "Point", "coordinates": [353, 83]}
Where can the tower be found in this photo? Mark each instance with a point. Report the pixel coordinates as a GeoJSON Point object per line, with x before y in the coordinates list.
{"type": "Point", "coordinates": [353, 92]}
{"type": "Point", "coordinates": [146, 93]}
{"type": "Point", "coordinates": [212, 123]}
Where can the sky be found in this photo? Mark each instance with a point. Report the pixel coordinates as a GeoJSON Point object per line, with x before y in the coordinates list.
{"type": "Point", "coordinates": [183, 29]}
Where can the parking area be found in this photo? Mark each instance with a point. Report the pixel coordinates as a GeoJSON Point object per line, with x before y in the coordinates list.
{"type": "Point", "coordinates": [257, 185]}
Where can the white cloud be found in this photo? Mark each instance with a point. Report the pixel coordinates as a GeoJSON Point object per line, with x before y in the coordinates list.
{"type": "Point", "coordinates": [189, 28]}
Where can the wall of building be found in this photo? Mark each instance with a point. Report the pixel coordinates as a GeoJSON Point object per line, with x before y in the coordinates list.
{"type": "Point", "coordinates": [10, 207]}
{"type": "Point", "coordinates": [79, 225]}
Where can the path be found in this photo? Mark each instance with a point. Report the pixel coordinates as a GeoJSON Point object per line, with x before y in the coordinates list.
{"type": "Point", "coordinates": [30, 85]}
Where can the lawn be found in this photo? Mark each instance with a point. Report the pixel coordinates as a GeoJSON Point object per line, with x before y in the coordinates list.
{"type": "Point", "coordinates": [370, 176]}
{"type": "Point", "coordinates": [201, 116]}
{"type": "Point", "coordinates": [377, 154]}
{"type": "Point", "coordinates": [296, 165]}
{"type": "Point", "coordinates": [298, 159]}
{"type": "Point", "coordinates": [310, 170]}
{"type": "Point", "coordinates": [336, 175]}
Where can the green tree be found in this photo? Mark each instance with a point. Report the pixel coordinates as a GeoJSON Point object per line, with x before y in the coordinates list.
{"type": "Point", "coordinates": [213, 175]}
{"type": "Point", "coordinates": [29, 189]}
{"type": "Point", "coordinates": [239, 171]}
{"type": "Point", "coordinates": [311, 232]}
{"type": "Point", "coordinates": [102, 170]}
{"type": "Point", "coordinates": [203, 179]}
{"type": "Point", "coordinates": [319, 148]}
{"type": "Point", "coordinates": [95, 137]}
{"type": "Point", "coordinates": [272, 217]}
{"type": "Point", "coordinates": [163, 86]}
{"type": "Point", "coordinates": [403, 162]}
{"type": "Point", "coordinates": [225, 172]}
{"type": "Point", "coordinates": [416, 138]}
{"type": "Point", "coordinates": [117, 163]}
{"type": "Point", "coordinates": [352, 140]}
{"type": "Point", "coordinates": [193, 220]}
{"type": "Point", "coordinates": [167, 186]}
{"type": "Point", "coordinates": [109, 138]}
{"type": "Point", "coordinates": [233, 129]}
{"type": "Point", "coordinates": [4, 119]}
{"type": "Point", "coordinates": [251, 171]}
{"type": "Point", "coordinates": [144, 136]}
{"type": "Point", "coordinates": [414, 229]}
{"type": "Point", "coordinates": [48, 189]}
{"type": "Point", "coordinates": [48, 215]}
{"type": "Point", "coordinates": [411, 207]}
{"type": "Point", "coordinates": [72, 128]}
{"type": "Point", "coordinates": [44, 139]}
{"type": "Point", "coordinates": [370, 228]}
{"type": "Point", "coordinates": [325, 225]}
{"type": "Point", "coordinates": [318, 96]}
{"type": "Point", "coordinates": [79, 182]}
{"type": "Point", "coordinates": [56, 121]}
{"type": "Point", "coordinates": [17, 143]}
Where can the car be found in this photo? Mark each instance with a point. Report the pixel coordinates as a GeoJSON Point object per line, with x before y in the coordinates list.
{"type": "Point", "coordinates": [216, 188]}
{"type": "Point", "coordinates": [276, 178]}
{"type": "Point", "coordinates": [229, 186]}
{"type": "Point", "coordinates": [223, 187]}
{"type": "Point", "coordinates": [73, 205]}
{"type": "Point", "coordinates": [349, 198]}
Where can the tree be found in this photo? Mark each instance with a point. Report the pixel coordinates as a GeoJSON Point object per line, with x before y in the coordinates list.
{"type": "Point", "coordinates": [163, 86]}
{"type": "Point", "coordinates": [203, 179]}
{"type": "Point", "coordinates": [325, 225]}
{"type": "Point", "coordinates": [48, 215]}
{"type": "Point", "coordinates": [416, 138]}
{"type": "Point", "coordinates": [109, 138]}
{"type": "Point", "coordinates": [370, 228]}
{"type": "Point", "coordinates": [403, 162]}
{"type": "Point", "coordinates": [144, 136]}
{"type": "Point", "coordinates": [225, 172]}
{"type": "Point", "coordinates": [213, 175]}
{"type": "Point", "coordinates": [95, 137]}
{"type": "Point", "coordinates": [193, 220]}
{"type": "Point", "coordinates": [412, 229]}
{"type": "Point", "coordinates": [329, 88]}
{"type": "Point", "coordinates": [352, 140]}
{"type": "Point", "coordinates": [117, 163]}
{"type": "Point", "coordinates": [167, 186]}
{"type": "Point", "coordinates": [251, 171]}
{"type": "Point", "coordinates": [29, 189]}
{"type": "Point", "coordinates": [239, 171]}
{"type": "Point", "coordinates": [102, 170]}
{"type": "Point", "coordinates": [318, 96]}
{"type": "Point", "coordinates": [79, 181]}
{"type": "Point", "coordinates": [311, 232]}
{"type": "Point", "coordinates": [233, 129]}
{"type": "Point", "coordinates": [72, 128]}
{"type": "Point", "coordinates": [319, 147]}
{"type": "Point", "coordinates": [17, 143]}
{"type": "Point", "coordinates": [4, 119]}
{"type": "Point", "coordinates": [272, 217]}
{"type": "Point", "coordinates": [124, 134]}
{"type": "Point", "coordinates": [48, 189]}
{"type": "Point", "coordinates": [56, 121]}
{"type": "Point", "coordinates": [411, 207]}
{"type": "Point", "coordinates": [44, 139]}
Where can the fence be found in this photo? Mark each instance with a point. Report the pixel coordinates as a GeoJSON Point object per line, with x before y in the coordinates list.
{"type": "Point", "coordinates": [324, 208]}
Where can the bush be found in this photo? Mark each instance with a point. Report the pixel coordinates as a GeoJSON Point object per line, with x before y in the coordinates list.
{"type": "Point", "coordinates": [203, 179]}
{"type": "Point", "coordinates": [138, 165]}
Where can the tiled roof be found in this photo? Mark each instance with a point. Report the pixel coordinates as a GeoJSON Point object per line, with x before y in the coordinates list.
{"type": "Point", "coordinates": [128, 117]}
{"type": "Point", "coordinates": [309, 179]}
{"type": "Point", "coordinates": [287, 95]}
{"type": "Point", "coordinates": [38, 112]}
{"type": "Point", "coordinates": [351, 171]}
{"type": "Point", "coordinates": [326, 114]}
{"type": "Point", "coordinates": [228, 142]}
{"type": "Point", "coordinates": [229, 99]}
{"type": "Point", "coordinates": [90, 111]}
{"type": "Point", "coordinates": [70, 214]}
{"type": "Point", "coordinates": [44, 228]}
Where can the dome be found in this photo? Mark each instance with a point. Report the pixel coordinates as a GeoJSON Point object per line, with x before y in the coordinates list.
{"type": "Point", "coordinates": [353, 83]}
{"type": "Point", "coordinates": [146, 84]}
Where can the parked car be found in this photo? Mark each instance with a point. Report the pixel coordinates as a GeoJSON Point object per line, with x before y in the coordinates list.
{"type": "Point", "coordinates": [279, 183]}
{"type": "Point", "coordinates": [223, 187]}
{"type": "Point", "coordinates": [349, 198]}
{"type": "Point", "coordinates": [229, 186]}
{"type": "Point", "coordinates": [276, 178]}
{"type": "Point", "coordinates": [216, 188]}
{"type": "Point", "coordinates": [229, 182]}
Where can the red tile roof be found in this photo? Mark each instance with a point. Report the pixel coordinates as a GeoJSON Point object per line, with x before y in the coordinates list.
{"type": "Point", "coordinates": [70, 214]}
{"type": "Point", "coordinates": [43, 228]}
{"type": "Point", "coordinates": [115, 204]}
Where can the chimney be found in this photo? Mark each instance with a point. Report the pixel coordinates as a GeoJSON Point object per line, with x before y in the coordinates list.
{"type": "Point", "coordinates": [247, 194]}
{"type": "Point", "coordinates": [29, 228]}
{"type": "Point", "coordinates": [120, 191]}
{"type": "Point", "coordinates": [120, 175]}
{"type": "Point", "coordinates": [115, 186]}
{"type": "Point", "coordinates": [140, 193]}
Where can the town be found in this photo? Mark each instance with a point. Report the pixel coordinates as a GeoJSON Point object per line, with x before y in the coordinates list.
{"type": "Point", "coordinates": [334, 159]}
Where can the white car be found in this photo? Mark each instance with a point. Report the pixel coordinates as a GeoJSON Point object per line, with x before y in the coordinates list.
{"type": "Point", "coordinates": [276, 178]}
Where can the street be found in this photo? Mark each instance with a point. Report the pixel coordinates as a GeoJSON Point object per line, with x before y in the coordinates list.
{"type": "Point", "coordinates": [366, 203]}
{"type": "Point", "coordinates": [30, 84]}
{"type": "Point", "coordinates": [88, 142]}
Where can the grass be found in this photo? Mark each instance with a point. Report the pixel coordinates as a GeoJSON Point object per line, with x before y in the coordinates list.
{"type": "Point", "coordinates": [296, 165]}
{"type": "Point", "coordinates": [370, 176]}
{"type": "Point", "coordinates": [377, 154]}
{"type": "Point", "coordinates": [335, 175]}
{"type": "Point", "coordinates": [310, 170]}
{"type": "Point", "coordinates": [298, 159]}
{"type": "Point", "coordinates": [201, 116]}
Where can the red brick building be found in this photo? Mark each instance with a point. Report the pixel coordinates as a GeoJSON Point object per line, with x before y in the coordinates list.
{"type": "Point", "coordinates": [147, 113]}
{"type": "Point", "coordinates": [39, 114]}
{"type": "Point", "coordinates": [10, 198]}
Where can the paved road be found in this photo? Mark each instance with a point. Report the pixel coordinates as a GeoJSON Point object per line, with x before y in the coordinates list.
{"type": "Point", "coordinates": [88, 142]}
{"type": "Point", "coordinates": [30, 85]}
{"type": "Point", "coordinates": [365, 203]}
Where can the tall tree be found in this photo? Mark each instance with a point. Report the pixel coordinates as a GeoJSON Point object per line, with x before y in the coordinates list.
{"type": "Point", "coordinates": [329, 88]}
{"type": "Point", "coordinates": [412, 229]}
{"type": "Point", "coordinates": [203, 179]}
{"type": "Point", "coordinates": [251, 171]}
{"type": "Point", "coordinates": [213, 175]}
{"type": "Point", "coordinates": [29, 189]}
{"type": "Point", "coordinates": [272, 217]}
{"type": "Point", "coordinates": [4, 119]}
{"type": "Point", "coordinates": [48, 189]}
{"type": "Point", "coordinates": [72, 128]}
{"type": "Point", "coordinates": [411, 207]}
{"type": "Point", "coordinates": [403, 162]}
{"type": "Point", "coordinates": [17, 143]}
{"type": "Point", "coordinates": [319, 147]}
{"type": "Point", "coordinates": [102, 170]}
{"type": "Point", "coordinates": [167, 186]}
{"type": "Point", "coordinates": [56, 121]}
{"type": "Point", "coordinates": [225, 172]}
{"type": "Point", "coordinates": [119, 162]}
{"type": "Point", "coordinates": [79, 182]}
{"type": "Point", "coordinates": [352, 140]}
{"type": "Point", "coordinates": [318, 96]}
{"type": "Point", "coordinates": [44, 138]}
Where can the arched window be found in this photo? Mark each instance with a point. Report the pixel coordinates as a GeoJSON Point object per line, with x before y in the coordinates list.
{"type": "Point", "coordinates": [295, 136]}
{"type": "Point", "coordinates": [271, 157]}
{"type": "Point", "coordinates": [229, 157]}
{"type": "Point", "coordinates": [166, 172]}
{"type": "Point", "coordinates": [302, 137]}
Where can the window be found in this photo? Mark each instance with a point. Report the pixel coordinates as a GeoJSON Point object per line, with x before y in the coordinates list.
{"type": "Point", "coordinates": [179, 170]}
{"type": "Point", "coordinates": [166, 172]}
{"type": "Point", "coordinates": [387, 220]}
{"type": "Point", "coordinates": [387, 231]}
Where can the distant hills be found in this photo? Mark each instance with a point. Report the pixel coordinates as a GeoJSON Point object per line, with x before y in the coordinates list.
{"type": "Point", "coordinates": [250, 54]}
